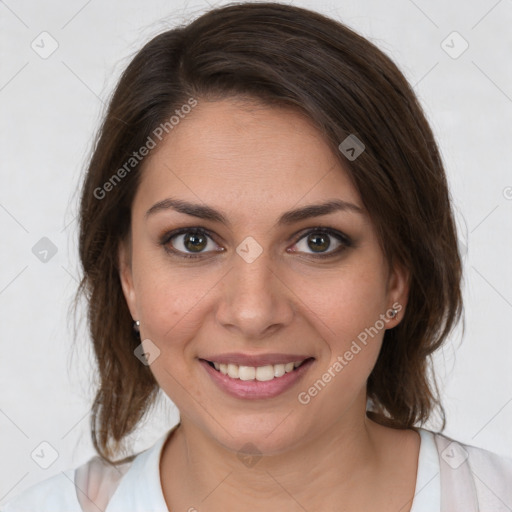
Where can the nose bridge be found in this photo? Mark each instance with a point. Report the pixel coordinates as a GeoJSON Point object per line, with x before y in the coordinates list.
{"type": "Point", "coordinates": [254, 298]}
{"type": "Point", "coordinates": [254, 277]}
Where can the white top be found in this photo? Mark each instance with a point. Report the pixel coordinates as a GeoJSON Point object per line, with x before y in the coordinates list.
{"type": "Point", "coordinates": [451, 477]}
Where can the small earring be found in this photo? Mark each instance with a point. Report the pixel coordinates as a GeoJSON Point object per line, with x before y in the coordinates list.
{"type": "Point", "coordinates": [136, 326]}
{"type": "Point", "coordinates": [394, 312]}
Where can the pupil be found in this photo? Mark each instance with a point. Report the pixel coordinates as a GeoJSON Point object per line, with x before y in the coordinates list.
{"type": "Point", "coordinates": [193, 242]}
{"type": "Point", "coordinates": [319, 239]}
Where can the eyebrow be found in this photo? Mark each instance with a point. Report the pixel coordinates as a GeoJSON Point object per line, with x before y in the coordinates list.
{"type": "Point", "coordinates": [287, 218]}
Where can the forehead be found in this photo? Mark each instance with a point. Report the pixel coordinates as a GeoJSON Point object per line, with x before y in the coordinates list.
{"type": "Point", "coordinates": [244, 155]}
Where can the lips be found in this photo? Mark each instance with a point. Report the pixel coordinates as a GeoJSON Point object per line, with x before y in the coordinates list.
{"type": "Point", "coordinates": [262, 367]}
{"type": "Point", "coordinates": [262, 376]}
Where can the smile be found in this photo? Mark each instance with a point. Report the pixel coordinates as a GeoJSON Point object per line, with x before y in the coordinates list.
{"type": "Point", "coordinates": [260, 373]}
{"type": "Point", "coordinates": [262, 379]}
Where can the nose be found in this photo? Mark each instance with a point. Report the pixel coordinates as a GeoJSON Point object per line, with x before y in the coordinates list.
{"type": "Point", "coordinates": [255, 300]}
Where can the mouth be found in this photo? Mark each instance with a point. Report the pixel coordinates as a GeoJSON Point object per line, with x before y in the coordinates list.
{"type": "Point", "coordinates": [265, 380]}
{"type": "Point", "coordinates": [260, 373]}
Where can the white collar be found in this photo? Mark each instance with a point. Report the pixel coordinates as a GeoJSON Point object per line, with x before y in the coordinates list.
{"type": "Point", "coordinates": [427, 494]}
{"type": "Point", "coordinates": [140, 489]}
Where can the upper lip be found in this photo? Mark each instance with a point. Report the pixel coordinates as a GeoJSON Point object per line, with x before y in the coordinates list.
{"type": "Point", "coordinates": [255, 360]}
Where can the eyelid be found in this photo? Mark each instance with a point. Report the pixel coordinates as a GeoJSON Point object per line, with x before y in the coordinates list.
{"type": "Point", "coordinates": [324, 229]}
{"type": "Point", "coordinates": [167, 237]}
{"type": "Point", "coordinates": [345, 241]}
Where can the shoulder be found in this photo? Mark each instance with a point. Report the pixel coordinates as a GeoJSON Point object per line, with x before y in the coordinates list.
{"type": "Point", "coordinates": [85, 488]}
{"type": "Point", "coordinates": [492, 475]}
{"type": "Point", "coordinates": [489, 462]}
{"type": "Point", "coordinates": [455, 453]}
{"type": "Point", "coordinates": [56, 493]}
{"type": "Point", "coordinates": [485, 474]}
{"type": "Point", "coordinates": [96, 485]}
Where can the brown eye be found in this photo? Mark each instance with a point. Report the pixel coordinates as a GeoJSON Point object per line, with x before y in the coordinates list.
{"type": "Point", "coordinates": [189, 243]}
{"type": "Point", "coordinates": [317, 242]}
{"type": "Point", "coordinates": [195, 242]}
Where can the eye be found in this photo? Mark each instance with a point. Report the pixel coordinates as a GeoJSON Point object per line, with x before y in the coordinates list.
{"type": "Point", "coordinates": [195, 242]}
{"type": "Point", "coordinates": [189, 242]}
{"type": "Point", "coordinates": [319, 241]}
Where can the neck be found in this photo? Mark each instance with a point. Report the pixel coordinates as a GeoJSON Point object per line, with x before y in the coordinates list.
{"type": "Point", "coordinates": [342, 461]}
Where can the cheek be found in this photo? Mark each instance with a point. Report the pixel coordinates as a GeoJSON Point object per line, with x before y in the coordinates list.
{"type": "Point", "coordinates": [346, 300]}
{"type": "Point", "coordinates": [168, 297]}
{"type": "Point", "coordinates": [172, 312]}
{"type": "Point", "coordinates": [170, 309]}
{"type": "Point", "coordinates": [349, 320]}
{"type": "Point", "coordinates": [348, 314]}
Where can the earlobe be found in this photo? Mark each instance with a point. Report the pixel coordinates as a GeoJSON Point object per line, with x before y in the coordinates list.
{"type": "Point", "coordinates": [126, 278]}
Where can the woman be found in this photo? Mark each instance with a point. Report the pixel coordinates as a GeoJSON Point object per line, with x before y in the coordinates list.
{"type": "Point", "coordinates": [266, 236]}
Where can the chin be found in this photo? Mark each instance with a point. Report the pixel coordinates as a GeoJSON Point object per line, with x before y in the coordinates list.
{"type": "Point", "coordinates": [259, 433]}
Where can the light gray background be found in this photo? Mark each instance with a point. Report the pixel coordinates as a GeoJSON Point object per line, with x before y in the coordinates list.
{"type": "Point", "coordinates": [50, 109]}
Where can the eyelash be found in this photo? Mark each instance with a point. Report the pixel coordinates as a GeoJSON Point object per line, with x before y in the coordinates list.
{"type": "Point", "coordinates": [341, 237]}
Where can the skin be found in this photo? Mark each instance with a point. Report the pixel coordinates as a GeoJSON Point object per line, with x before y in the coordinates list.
{"type": "Point", "coordinates": [253, 163]}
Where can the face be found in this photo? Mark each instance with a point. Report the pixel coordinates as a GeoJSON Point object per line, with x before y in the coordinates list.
{"type": "Point", "coordinates": [235, 283]}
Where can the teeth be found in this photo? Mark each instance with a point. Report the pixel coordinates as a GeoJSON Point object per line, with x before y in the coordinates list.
{"type": "Point", "coordinates": [288, 367]}
{"type": "Point", "coordinates": [265, 372]}
{"type": "Point", "coordinates": [260, 373]}
{"type": "Point", "coordinates": [233, 371]}
{"type": "Point", "coordinates": [279, 370]}
{"type": "Point", "coordinates": [246, 372]}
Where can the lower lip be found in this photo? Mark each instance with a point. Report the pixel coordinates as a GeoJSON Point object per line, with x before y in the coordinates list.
{"type": "Point", "coordinates": [255, 389]}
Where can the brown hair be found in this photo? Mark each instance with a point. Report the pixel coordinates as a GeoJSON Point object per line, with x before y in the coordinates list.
{"type": "Point", "coordinates": [290, 56]}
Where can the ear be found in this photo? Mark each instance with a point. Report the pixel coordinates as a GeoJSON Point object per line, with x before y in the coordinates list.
{"type": "Point", "coordinates": [398, 292]}
{"type": "Point", "coordinates": [126, 276]}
